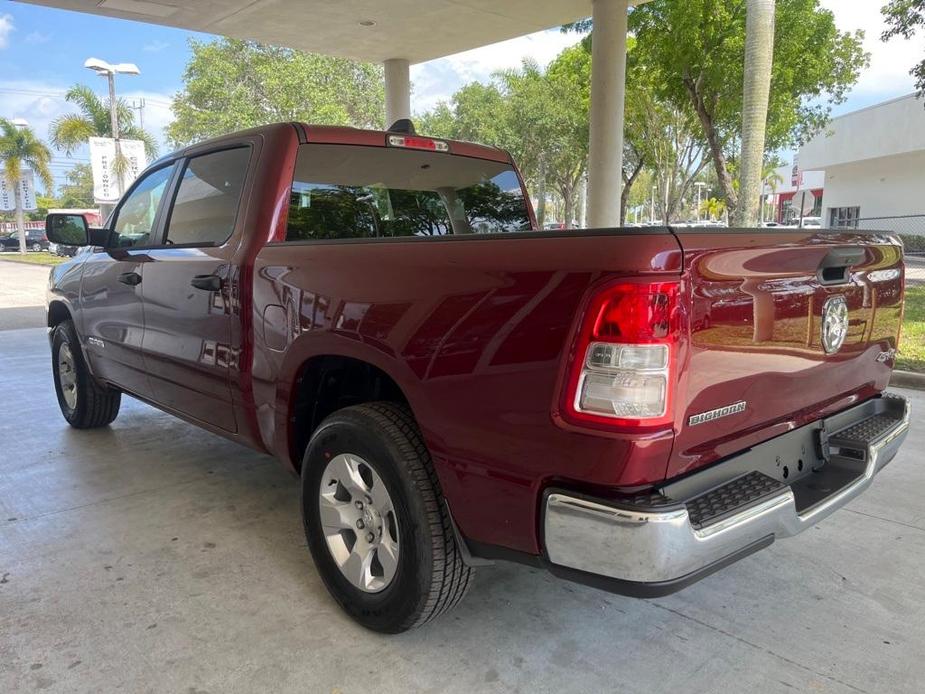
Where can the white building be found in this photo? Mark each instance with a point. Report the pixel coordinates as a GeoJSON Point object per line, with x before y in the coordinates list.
{"type": "Point", "coordinates": [874, 163]}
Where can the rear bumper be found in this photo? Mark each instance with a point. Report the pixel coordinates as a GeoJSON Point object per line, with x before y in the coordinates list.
{"type": "Point", "coordinates": [713, 518]}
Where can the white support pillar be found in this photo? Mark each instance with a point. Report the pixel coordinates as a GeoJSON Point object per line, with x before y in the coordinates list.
{"type": "Point", "coordinates": [397, 90]}
{"type": "Point", "coordinates": [608, 86]}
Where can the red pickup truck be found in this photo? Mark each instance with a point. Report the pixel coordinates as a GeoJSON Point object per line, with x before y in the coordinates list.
{"type": "Point", "coordinates": [628, 408]}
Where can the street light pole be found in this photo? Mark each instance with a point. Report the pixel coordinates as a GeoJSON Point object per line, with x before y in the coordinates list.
{"type": "Point", "coordinates": [699, 185]}
{"type": "Point", "coordinates": [114, 125]}
{"type": "Point", "coordinates": [108, 70]}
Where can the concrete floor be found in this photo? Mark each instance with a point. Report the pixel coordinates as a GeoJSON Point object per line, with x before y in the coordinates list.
{"type": "Point", "coordinates": [154, 557]}
{"type": "Point", "coordinates": [22, 294]}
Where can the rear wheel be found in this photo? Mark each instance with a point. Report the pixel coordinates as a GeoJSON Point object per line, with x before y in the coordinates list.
{"type": "Point", "coordinates": [376, 522]}
{"type": "Point", "coordinates": [36, 247]}
{"type": "Point", "coordinates": [85, 403]}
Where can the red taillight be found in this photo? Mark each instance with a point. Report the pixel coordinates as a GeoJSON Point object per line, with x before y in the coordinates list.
{"type": "Point", "coordinates": [411, 142]}
{"type": "Point", "coordinates": [622, 371]}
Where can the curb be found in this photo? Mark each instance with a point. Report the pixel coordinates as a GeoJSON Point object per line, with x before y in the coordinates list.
{"type": "Point", "coordinates": [908, 379]}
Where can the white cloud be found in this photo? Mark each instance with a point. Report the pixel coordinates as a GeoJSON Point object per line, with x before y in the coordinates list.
{"type": "Point", "coordinates": [6, 28]}
{"type": "Point", "coordinates": [156, 46]}
{"type": "Point", "coordinates": [40, 103]}
{"type": "Point", "coordinates": [37, 37]}
{"type": "Point", "coordinates": [439, 79]}
{"type": "Point", "coordinates": [888, 75]}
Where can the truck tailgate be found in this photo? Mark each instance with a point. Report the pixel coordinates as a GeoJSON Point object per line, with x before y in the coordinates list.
{"type": "Point", "coordinates": [755, 365]}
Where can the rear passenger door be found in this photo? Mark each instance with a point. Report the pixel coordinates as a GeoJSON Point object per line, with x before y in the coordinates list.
{"type": "Point", "coordinates": [187, 298]}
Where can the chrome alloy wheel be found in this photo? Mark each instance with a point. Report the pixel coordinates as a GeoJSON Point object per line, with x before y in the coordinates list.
{"type": "Point", "coordinates": [67, 376]}
{"type": "Point", "coordinates": [358, 521]}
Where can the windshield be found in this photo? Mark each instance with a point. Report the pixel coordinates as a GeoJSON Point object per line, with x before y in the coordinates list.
{"type": "Point", "coordinates": [344, 191]}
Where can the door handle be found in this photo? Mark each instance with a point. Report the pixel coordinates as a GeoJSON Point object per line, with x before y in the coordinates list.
{"type": "Point", "coordinates": [130, 278]}
{"type": "Point", "coordinates": [211, 283]}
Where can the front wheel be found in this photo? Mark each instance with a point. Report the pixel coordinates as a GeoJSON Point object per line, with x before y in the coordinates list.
{"type": "Point", "coordinates": [376, 522]}
{"type": "Point", "coordinates": [85, 403]}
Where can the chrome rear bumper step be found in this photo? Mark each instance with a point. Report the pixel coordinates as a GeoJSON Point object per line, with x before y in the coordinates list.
{"type": "Point", "coordinates": [731, 498]}
{"type": "Point", "coordinates": [775, 489]}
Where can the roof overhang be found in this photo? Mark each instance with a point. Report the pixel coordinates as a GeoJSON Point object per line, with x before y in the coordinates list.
{"type": "Point", "coordinates": [370, 30]}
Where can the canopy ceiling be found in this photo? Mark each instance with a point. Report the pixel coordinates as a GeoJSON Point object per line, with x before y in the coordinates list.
{"type": "Point", "coordinates": [416, 30]}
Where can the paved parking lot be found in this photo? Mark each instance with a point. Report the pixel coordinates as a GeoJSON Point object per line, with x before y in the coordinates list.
{"type": "Point", "coordinates": [152, 556]}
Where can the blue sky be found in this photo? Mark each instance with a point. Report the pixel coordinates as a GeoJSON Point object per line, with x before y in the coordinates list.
{"type": "Point", "coordinates": [42, 53]}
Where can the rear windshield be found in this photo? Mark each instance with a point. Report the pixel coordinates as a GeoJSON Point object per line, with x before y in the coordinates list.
{"type": "Point", "coordinates": [346, 191]}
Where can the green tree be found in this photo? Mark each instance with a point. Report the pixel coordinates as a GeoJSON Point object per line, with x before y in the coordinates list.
{"type": "Point", "coordinates": [694, 52]}
{"type": "Point", "coordinates": [539, 116]}
{"type": "Point", "coordinates": [526, 127]}
{"type": "Point", "coordinates": [77, 191]}
{"type": "Point", "coordinates": [92, 119]}
{"type": "Point", "coordinates": [677, 155]}
{"type": "Point", "coordinates": [21, 149]}
{"type": "Point", "coordinates": [904, 18]}
{"type": "Point", "coordinates": [547, 126]}
{"type": "Point", "coordinates": [475, 113]}
{"type": "Point", "coordinates": [231, 84]}
{"type": "Point", "coordinates": [43, 203]}
{"type": "Point", "coordinates": [712, 208]}
{"type": "Point", "coordinates": [697, 48]}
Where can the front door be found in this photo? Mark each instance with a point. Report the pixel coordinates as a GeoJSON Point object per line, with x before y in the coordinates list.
{"type": "Point", "coordinates": [188, 312]}
{"type": "Point", "coordinates": [111, 288]}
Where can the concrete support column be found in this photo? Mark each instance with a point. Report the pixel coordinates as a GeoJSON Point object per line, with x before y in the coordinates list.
{"type": "Point", "coordinates": [608, 86]}
{"type": "Point", "coordinates": [397, 90]}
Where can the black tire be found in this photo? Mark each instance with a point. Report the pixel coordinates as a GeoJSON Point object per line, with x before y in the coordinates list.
{"type": "Point", "coordinates": [431, 576]}
{"type": "Point", "coordinates": [36, 247]}
{"type": "Point", "coordinates": [96, 404]}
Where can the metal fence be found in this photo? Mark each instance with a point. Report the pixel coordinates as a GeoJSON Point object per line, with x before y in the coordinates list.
{"type": "Point", "coordinates": [910, 227]}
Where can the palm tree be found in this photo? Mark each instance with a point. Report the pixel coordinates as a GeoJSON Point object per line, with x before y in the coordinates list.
{"type": "Point", "coordinates": [73, 130]}
{"type": "Point", "coordinates": [19, 149]}
{"type": "Point", "coordinates": [770, 178]}
{"type": "Point", "coordinates": [759, 56]}
{"type": "Point", "coordinates": [712, 208]}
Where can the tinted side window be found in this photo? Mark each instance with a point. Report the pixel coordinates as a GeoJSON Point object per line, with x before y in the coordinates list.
{"type": "Point", "coordinates": [137, 215]}
{"type": "Point", "coordinates": [206, 204]}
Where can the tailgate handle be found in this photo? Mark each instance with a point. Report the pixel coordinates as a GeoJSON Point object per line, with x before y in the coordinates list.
{"type": "Point", "coordinates": [835, 268]}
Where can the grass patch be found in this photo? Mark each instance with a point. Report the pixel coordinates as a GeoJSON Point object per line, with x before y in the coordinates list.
{"type": "Point", "coordinates": [40, 258]}
{"type": "Point", "coordinates": [912, 343]}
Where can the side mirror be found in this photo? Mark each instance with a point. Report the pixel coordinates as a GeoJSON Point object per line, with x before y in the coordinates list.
{"type": "Point", "coordinates": [67, 229]}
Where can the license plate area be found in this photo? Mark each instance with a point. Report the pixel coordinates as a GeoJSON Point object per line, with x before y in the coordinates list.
{"type": "Point", "coordinates": [786, 458]}
{"type": "Point", "coordinates": [815, 460]}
